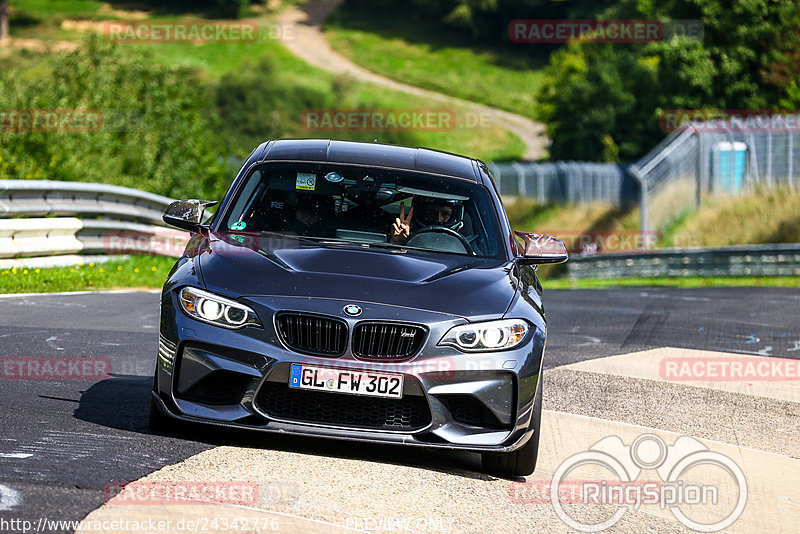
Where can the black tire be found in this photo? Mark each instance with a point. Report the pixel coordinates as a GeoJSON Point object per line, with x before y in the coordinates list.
{"type": "Point", "coordinates": [158, 421]}
{"type": "Point", "coordinates": [521, 462]}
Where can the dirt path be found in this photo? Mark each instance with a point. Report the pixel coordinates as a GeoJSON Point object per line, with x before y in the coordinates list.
{"type": "Point", "coordinates": [37, 45]}
{"type": "Point", "coordinates": [304, 38]}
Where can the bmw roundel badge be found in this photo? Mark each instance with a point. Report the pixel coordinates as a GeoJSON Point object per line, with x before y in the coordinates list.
{"type": "Point", "coordinates": [352, 310]}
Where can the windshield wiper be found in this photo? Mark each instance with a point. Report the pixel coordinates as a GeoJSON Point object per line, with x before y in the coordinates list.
{"type": "Point", "coordinates": [339, 241]}
{"type": "Point", "coordinates": [313, 238]}
{"type": "Point", "coordinates": [379, 244]}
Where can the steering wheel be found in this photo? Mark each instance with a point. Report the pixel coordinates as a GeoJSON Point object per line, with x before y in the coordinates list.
{"type": "Point", "coordinates": [443, 230]}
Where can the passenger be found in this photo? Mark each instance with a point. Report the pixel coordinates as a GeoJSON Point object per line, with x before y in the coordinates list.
{"type": "Point", "coordinates": [433, 212]}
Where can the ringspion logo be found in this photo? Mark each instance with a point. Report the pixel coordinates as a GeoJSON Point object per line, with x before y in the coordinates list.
{"type": "Point", "coordinates": [697, 501]}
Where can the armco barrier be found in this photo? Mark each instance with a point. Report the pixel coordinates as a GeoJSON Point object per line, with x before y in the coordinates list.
{"type": "Point", "coordinates": [744, 260]}
{"type": "Point", "coordinates": [38, 237]}
{"type": "Point", "coordinates": [40, 218]}
{"type": "Point", "coordinates": [42, 198]}
{"type": "Point", "coordinates": [88, 218]}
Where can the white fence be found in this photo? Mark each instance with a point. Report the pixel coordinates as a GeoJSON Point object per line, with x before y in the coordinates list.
{"type": "Point", "coordinates": [716, 158]}
{"type": "Point", "coordinates": [698, 159]}
{"type": "Point", "coordinates": [567, 182]}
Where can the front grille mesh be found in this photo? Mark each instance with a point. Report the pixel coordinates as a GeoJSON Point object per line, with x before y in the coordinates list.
{"type": "Point", "coordinates": [387, 341]}
{"type": "Point", "coordinates": [278, 400]}
{"type": "Point", "coordinates": [312, 334]}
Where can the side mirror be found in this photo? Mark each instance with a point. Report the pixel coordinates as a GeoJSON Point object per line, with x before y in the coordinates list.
{"type": "Point", "coordinates": [541, 248]}
{"type": "Point", "coordinates": [187, 214]}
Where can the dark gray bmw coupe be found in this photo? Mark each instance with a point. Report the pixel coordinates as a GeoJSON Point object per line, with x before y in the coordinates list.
{"type": "Point", "coordinates": [358, 291]}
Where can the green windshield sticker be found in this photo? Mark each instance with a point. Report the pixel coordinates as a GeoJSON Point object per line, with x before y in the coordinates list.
{"type": "Point", "coordinates": [238, 225]}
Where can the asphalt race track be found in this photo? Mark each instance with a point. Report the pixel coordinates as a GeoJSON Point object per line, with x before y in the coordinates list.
{"type": "Point", "coordinates": [63, 442]}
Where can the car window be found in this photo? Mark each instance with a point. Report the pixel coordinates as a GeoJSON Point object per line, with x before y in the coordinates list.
{"type": "Point", "coordinates": [362, 205]}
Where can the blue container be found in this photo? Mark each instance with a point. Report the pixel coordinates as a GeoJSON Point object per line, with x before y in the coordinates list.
{"type": "Point", "coordinates": [727, 171]}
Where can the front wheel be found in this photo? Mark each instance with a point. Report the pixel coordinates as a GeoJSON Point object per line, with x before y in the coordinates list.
{"type": "Point", "coordinates": [521, 462]}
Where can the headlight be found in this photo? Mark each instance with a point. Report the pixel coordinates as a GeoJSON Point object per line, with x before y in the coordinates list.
{"type": "Point", "coordinates": [217, 310]}
{"type": "Point", "coordinates": [493, 335]}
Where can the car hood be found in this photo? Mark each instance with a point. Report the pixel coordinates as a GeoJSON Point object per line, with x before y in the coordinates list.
{"type": "Point", "coordinates": [444, 283]}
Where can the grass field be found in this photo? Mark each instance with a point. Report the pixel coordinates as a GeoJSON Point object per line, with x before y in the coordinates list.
{"type": "Point", "coordinates": [758, 216]}
{"type": "Point", "coordinates": [146, 272]}
{"type": "Point", "coordinates": [486, 143]}
{"type": "Point", "coordinates": [390, 40]}
{"type": "Point", "coordinates": [150, 272]}
{"type": "Point", "coordinates": [45, 21]}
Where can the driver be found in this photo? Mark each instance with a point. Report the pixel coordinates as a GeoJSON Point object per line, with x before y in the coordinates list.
{"type": "Point", "coordinates": [431, 212]}
{"type": "Point", "coordinates": [312, 216]}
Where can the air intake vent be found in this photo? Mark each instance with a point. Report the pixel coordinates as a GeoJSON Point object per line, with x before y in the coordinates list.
{"type": "Point", "coordinates": [468, 410]}
{"type": "Point", "coordinates": [279, 401]}
{"type": "Point", "coordinates": [387, 341]}
{"type": "Point", "coordinates": [313, 334]}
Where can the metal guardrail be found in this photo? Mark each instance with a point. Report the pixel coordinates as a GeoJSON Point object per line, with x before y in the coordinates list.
{"type": "Point", "coordinates": [131, 223]}
{"type": "Point", "coordinates": [40, 218]}
{"type": "Point", "coordinates": [744, 260]}
{"type": "Point", "coordinates": [42, 198]}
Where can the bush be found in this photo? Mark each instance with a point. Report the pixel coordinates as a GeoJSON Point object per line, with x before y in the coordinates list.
{"type": "Point", "coordinates": [157, 133]}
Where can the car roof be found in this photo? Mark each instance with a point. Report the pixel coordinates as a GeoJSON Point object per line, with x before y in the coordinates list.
{"type": "Point", "coordinates": [372, 154]}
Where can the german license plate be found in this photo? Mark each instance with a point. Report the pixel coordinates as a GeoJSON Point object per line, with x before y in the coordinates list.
{"type": "Point", "coordinates": [346, 381]}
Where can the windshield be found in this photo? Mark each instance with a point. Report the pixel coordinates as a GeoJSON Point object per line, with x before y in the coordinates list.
{"type": "Point", "coordinates": [367, 206]}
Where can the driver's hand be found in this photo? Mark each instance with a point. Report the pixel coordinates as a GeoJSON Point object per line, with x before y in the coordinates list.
{"type": "Point", "coordinates": [401, 228]}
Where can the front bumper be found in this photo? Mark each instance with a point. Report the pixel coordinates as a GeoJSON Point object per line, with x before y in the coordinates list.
{"type": "Point", "coordinates": [231, 378]}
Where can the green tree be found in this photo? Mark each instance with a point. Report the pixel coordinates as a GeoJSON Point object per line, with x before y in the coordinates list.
{"type": "Point", "coordinates": [602, 95]}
